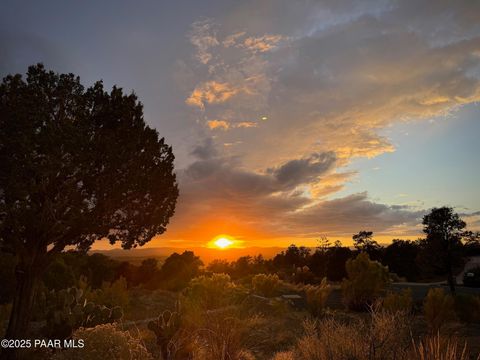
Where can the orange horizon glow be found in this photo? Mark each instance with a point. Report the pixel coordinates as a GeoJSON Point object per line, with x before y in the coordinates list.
{"type": "Point", "coordinates": [223, 242]}
{"type": "Point", "coordinates": [245, 242]}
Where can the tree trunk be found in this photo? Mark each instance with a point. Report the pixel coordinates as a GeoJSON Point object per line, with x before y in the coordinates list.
{"type": "Point", "coordinates": [451, 281]}
{"type": "Point", "coordinates": [450, 277]}
{"type": "Point", "coordinates": [26, 277]}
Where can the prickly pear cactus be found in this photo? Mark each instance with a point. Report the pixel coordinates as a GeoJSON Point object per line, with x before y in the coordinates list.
{"type": "Point", "coordinates": [68, 310]}
{"type": "Point", "coordinates": [165, 327]}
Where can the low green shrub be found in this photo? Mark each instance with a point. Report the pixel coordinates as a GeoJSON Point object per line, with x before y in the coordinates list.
{"type": "Point", "coordinates": [317, 296]}
{"type": "Point", "coordinates": [111, 294]}
{"type": "Point", "coordinates": [209, 292]}
{"type": "Point", "coordinates": [366, 281]}
{"type": "Point", "coordinates": [266, 284]}
{"type": "Point", "coordinates": [398, 302]}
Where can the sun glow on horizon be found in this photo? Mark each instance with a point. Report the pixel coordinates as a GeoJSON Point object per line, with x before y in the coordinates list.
{"type": "Point", "coordinates": [221, 242]}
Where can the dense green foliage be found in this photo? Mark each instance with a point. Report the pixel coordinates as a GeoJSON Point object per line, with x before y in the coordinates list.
{"type": "Point", "coordinates": [366, 281]}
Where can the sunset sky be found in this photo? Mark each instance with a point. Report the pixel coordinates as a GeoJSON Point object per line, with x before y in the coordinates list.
{"type": "Point", "coordinates": [289, 119]}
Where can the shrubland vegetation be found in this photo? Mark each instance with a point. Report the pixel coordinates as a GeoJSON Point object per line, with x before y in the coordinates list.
{"type": "Point", "coordinates": [287, 307]}
{"type": "Point", "coordinates": [98, 171]}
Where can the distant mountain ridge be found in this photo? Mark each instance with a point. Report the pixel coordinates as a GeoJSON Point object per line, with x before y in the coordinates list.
{"type": "Point", "coordinates": [206, 254]}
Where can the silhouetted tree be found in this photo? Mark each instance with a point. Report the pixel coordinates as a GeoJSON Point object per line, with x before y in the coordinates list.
{"type": "Point", "coordinates": [363, 241]}
{"type": "Point", "coordinates": [318, 261]}
{"type": "Point", "coordinates": [472, 243]}
{"type": "Point", "coordinates": [242, 267]}
{"type": "Point", "coordinates": [78, 165]}
{"type": "Point", "coordinates": [178, 270]}
{"type": "Point", "coordinates": [59, 275]}
{"type": "Point", "coordinates": [443, 245]}
{"type": "Point", "coordinates": [147, 271]}
{"type": "Point", "coordinates": [99, 268]}
{"type": "Point", "coordinates": [219, 266]}
{"type": "Point", "coordinates": [400, 257]}
{"type": "Point", "coordinates": [292, 258]}
{"type": "Point", "coordinates": [128, 272]}
{"type": "Point", "coordinates": [337, 257]}
{"type": "Point", "coordinates": [260, 265]}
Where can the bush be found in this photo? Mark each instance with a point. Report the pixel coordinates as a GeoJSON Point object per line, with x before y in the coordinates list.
{"type": "Point", "coordinates": [178, 270]}
{"type": "Point", "coordinates": [266, 285]}
{"type": "Point", "coordinates": [224, 336]}
{"type": "Point", "coordinates": [367, 279]}
{"type": "Point", "coordinates": [385, 336]}
{"type": "Point", "coordinates": [398, 302]}
{"type": "Point", "coordinates": [111, 294]}
{"type": "Point", "coordinates": [467, 308]}
{"type": "Point", "coordinates": [67, 310]}
{"type": "Point", "coordinates": [209, 292]}
{"type": "Point", "coordinates": [438, 308]}
{"type": "Point", "coordinates": [317, 296]}
{"type": "Point", "coordinates": [105, 342]}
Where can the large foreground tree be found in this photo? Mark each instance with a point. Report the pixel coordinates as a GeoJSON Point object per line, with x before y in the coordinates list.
{"type": "Point", "coordinates": [77, 165]}
{"type": "Point", "coordinates": [442, 247]}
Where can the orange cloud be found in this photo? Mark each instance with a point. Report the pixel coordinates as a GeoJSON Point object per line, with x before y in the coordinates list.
{"type": "Point", "coordinates": [231, 40]}
{"type": "Point", "coordinates": [218, 124]}
{"type": "Point", "coordinates": [203, 38]}
{"type": "Point", "coordinates": [263, 43]}
{"type": "Point", "coordinates": [211, 92]}
{"type": "Point", "coordinates": [246, 124]}
{"type": "Point", "coordinates": [225, 125]}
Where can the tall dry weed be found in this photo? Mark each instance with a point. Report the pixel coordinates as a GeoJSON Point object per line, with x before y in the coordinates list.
{"type": "Point", "coordinates": [440, 348]}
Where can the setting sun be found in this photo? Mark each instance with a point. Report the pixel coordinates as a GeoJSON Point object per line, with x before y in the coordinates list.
{"type": "Point", "coordinates": [223, 242]}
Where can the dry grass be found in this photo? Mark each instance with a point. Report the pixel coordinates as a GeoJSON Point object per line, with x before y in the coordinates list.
{"type": "Point", "coordinates": [284, 355]}
{"type": "Point", "coordinates": [385, 336]}
{"type": "Point", "coordinates": [224, 336]}
{"type": "Point", "coordinates": [440, 348]}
